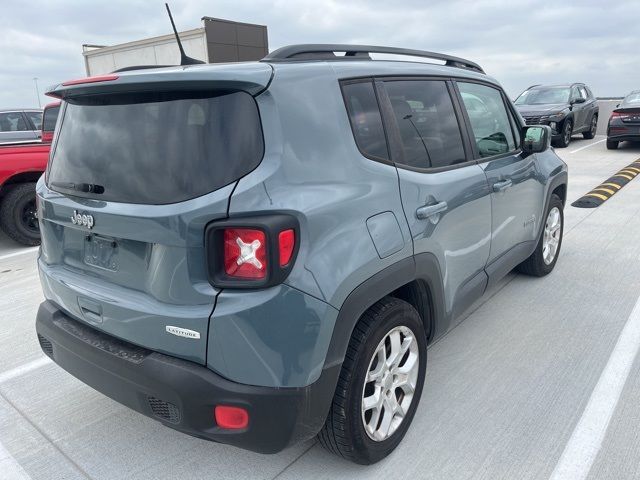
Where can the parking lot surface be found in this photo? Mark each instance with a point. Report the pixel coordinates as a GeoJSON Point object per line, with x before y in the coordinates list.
{"type": "Point", "coordinates": [509, 392]}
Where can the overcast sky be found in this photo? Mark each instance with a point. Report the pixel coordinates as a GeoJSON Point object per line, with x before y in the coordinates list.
{"type": "Point", "coordinates": [520, 42]}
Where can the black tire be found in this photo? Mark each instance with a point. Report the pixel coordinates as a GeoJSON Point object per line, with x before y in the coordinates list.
{"type": "Point", "coordinates": [593, 128]}
{"type": "Point", "coordinates": [17, 214]}
{"type": "Point", "coordinates": [344, 433]}
{"type": "Point", "coordinates": [612, 144]}
{"type": "Point", "coordinates": [535, 265]}
{"type": "Point", "coordinates": [565, 136]}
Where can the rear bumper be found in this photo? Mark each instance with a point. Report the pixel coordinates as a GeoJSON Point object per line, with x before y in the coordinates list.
{"type": "Point", "coordinates": [182, 394]}
{"type": "Point", "coordinates": [624, 137]}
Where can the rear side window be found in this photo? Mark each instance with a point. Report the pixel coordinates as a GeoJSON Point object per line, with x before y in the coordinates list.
{"type": "Point", "coordinates": [489, 119]}
{"type": "Point", "coordinates": [365, 119]}
{"type": "Point", "coordinates": [427, 122]}
{"type": "Point", "coordinates": [12, 122]}
{"type": "Point", "coordinates": [156, 147]}
{"type": "Point", "coordinates": [49, 118]}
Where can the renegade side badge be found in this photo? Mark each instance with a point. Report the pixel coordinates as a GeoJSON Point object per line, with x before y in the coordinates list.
{"type": "Point", "coordinates": [183, 332]}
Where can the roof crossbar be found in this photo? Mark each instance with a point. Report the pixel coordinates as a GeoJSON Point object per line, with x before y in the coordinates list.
{"type": "Point", "coordinates": [306, 52]}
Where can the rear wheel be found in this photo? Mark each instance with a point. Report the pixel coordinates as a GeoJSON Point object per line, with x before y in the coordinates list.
{"type": "Point", "coordinates": [565, 135]}
{"type": "Point", "coordinates": [612, 145]}
{"type": "Point", "coordinates": [18, 214]}
{"type": "Point", "coordinates": [592, 128]}
{"type": "Point", "coordinates": [545, 256]}
{"type": "Point", "coordinates": [380, 383]}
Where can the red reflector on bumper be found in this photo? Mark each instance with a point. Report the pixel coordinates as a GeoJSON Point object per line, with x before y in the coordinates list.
{"type": "Point", "coordinates": [231, 418]}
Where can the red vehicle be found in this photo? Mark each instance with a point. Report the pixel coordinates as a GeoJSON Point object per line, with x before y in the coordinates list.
{"type": "Point", "coordinates": [20, 167]}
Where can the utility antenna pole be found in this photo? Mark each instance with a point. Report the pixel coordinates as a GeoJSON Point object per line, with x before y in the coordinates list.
{"type": "Point", "coordinates": [35, 80]}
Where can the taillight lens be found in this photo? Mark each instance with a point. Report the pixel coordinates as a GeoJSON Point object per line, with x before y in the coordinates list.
{"type": "Point", "coordinates": [619, 115]}
{"type": "Point", "coordinates": [47, 137]}
{"type": "Point", "coordinates": [245, 253]}
{"type": "Point", "coordinates": [251, 252]}
{"type": "Point", "coordinates": [286, 244]}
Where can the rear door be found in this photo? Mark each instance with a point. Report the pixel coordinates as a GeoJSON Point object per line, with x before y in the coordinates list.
{"type": "Point", "coordinates": [444, 192]}
{"type": "Point", "coordinates": [132, 182]}
{"type": "Point", "coordinates": [517, 194]}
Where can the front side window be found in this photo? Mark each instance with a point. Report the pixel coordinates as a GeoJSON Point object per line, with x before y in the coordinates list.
{"type": "Point", "coordinates": [575, 93]}
{"type": "Point", "coordinates": [365, 119]}
{"type": "Point", "coordinates": [583, 93]}
{"type": "Point", "coordinates": [427, 121]}
{"type": "Point", "coordinates": [12, 122]}
{"type": "Point", "coordinates": [489, 119]}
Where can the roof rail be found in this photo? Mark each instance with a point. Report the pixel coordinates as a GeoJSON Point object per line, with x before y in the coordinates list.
{"type": "Point", "coordinates": [307, 52]}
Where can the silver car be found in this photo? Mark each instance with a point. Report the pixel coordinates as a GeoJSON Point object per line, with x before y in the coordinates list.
{"type": "Point", "coordinates": [20, 125]}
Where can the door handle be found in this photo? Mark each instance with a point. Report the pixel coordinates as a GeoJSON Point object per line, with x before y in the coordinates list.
{"type": "Point", "coordinates": [502, 185]}
{"type": "Point", "coordinates": [426, 211]}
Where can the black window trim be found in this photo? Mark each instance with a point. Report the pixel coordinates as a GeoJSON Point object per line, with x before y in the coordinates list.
{"type": "Point", "coordinates": [369, 79]}
{"type": "Point", "coordinates": [505, 100]}
{"type": "Point", "coordinates": [389, 119]}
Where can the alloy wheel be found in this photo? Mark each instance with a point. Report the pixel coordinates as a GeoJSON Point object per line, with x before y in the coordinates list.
{"type": "Point", "coordinates": [551, 238]}
{"type": "Point", "coordinates": [567, 133]}
{"type": "Point", "coordinates": [390, 383]}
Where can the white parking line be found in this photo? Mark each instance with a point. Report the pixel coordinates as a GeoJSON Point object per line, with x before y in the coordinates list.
{"type": "Point", "coordinates": [22, 369]}
{"type": "Point", "coordinates": [586, 440]}
{"type": "Point", "coordinates": [587, 146]}
{"type": "Point", "coordinates": [19, 252]}
{"type": "Point", "coordinates": [9, 466]}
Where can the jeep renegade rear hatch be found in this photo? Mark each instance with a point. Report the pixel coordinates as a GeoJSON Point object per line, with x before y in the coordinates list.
{"type": "Point", "coordinates": [141, 165]}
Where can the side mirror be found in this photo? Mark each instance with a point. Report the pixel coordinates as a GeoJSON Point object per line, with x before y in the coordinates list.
{"type": "Point", "coordinates": [536, 139]}
{"type": "Point", "coordinates": [617, 105]}
{"type": "Point", "coordinates": [578, 100]}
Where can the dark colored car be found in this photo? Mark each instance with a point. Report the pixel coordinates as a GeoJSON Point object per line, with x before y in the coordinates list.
{"type": "Point", "coordinates": [624, 123]}
{"type": "Point", "coordinates": [567, 109]}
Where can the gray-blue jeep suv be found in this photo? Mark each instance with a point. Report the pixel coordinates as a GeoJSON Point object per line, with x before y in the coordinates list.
{"type": "Point", "coordinates": [258, 253]}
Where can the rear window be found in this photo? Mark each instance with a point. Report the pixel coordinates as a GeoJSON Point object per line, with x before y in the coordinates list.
{"type": "Point", "coordinates": [155, 148]}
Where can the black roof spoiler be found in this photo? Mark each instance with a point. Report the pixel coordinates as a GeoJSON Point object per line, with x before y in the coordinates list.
{"type": "Point", "coordinates": [306, 52]}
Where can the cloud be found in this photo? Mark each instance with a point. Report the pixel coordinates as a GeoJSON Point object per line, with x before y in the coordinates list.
{"type": "Point", "coordinates": [519, 43]}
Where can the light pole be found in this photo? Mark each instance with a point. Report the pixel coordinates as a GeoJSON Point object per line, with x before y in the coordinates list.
{"type": "Point", "coordinates": [35, 80]}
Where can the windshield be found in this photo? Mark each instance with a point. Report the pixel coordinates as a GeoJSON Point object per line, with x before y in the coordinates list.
{"type": "Point", "coordinates": [541, 96]}
{"type": "Point", "coordinates": [157, 147]}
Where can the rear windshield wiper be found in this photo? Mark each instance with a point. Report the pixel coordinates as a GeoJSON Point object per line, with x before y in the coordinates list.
{"type": "Point", "coordinates": [80, 187]}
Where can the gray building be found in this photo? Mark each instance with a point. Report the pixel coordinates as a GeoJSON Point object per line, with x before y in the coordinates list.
{"type": "Point", "coordinates": [216, 41]}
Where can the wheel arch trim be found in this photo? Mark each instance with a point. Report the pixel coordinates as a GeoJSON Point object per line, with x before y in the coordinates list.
{"type": "Point", "coordinates": [423, 267]}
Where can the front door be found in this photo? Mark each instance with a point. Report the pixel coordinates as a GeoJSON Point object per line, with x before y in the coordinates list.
{"type": "Point", "coordinates": [517, 195]}
{"type": "Point", "coordinates": [445, 194]}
